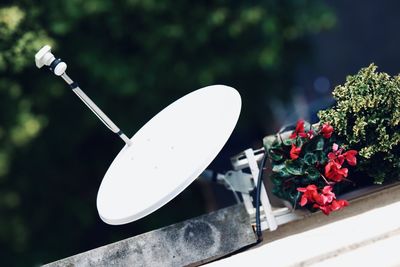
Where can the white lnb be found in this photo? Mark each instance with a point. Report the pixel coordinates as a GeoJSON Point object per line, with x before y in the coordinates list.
{"type": "Point", "coordinates": [44, 57]}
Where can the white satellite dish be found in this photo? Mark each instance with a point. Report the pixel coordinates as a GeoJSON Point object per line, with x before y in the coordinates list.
{"type": "Point", "coordinates": [166, 154]}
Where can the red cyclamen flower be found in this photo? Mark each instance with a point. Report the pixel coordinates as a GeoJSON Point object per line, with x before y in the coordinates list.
{"type": "Point", "coordinates": [334, 206]}
{"type": "Point", "coordinates": [338, 204]}
{"type": "Point", "coordinates": [309, 193]}
{"type": "Point", "coordinates": [325, 201]}
{"type": "Point", "coordinates": [310, 134]}
{"type": "Point", "coordinates": [328, 194]}
{"type": "Point", "coordinates": [299, 131]}
{"type": "Point", "coordinates": [335, 172]}
{"type": "Point", "coordinates": [326, 130]}
{"type": "Point", "coordinates": [337, 156]}
{"type": "Point", "coordinates": [295, 152]}
{"type": "Point", "coordinates": [351, 157]}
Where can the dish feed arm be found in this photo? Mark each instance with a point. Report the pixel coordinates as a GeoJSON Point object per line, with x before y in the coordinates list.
{"type": "Point", "coordinates": [45, 58]}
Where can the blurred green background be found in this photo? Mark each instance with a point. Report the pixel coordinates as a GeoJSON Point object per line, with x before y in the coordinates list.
{"type": "Point", "coordinates": [133, 58]}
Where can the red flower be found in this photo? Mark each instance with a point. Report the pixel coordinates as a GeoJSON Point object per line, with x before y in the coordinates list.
{"type": "Point", "coordinates": [334, 206]}
{"type": "Point", "coordinates": [335, 172]}
{"type": "Point", "coordinates": [295, 152]}
{"type": "Point", "coordinates": [335, 147]}
{"type": "Point", "coordinates": [299, 131]}
{"type": "Point", "coordinates": [326, 201]}
{"type": "Point", "coordinates": [309, 193]}
{"type": "Point", "coordinates": [310, 134]}
{"type": "Point", "coordinates": [338, 204]}
{"type": "Point", "coordinates": [327, 196]}
{"type": "Point", "coordinates": [327, 192]}
{"type": "Point", "coordinates": [326, 130]}
{"type": "Point", "coordinates": [351, 157]}
{"type": "Point", "coordinates": [324, 208]}
{"type": "Point", "coordinates": [338, 157]}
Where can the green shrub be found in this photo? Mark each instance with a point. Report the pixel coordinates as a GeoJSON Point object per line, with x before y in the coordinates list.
{"type": "Point", "coordinates": [367, 117]}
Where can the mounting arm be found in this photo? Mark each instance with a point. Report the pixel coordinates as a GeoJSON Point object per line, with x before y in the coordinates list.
{"type": "Point", "coordinates": [45, 58]}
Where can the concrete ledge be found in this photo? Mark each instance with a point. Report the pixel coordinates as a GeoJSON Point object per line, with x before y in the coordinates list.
{"type": "Point", "coordinates": [367, 202]}
{"type": "Point", "coordinates": [191, 242]}
{"type": "Point", "coordinates": [365, 233]}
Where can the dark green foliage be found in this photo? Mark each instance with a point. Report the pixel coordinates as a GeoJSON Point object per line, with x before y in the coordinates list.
{"type": "Point", "coordinates": [288, 174]}
{"type": "Point", "coordinates": [133, 58]}
{"type": "Point", "coordinates": [367, 117]}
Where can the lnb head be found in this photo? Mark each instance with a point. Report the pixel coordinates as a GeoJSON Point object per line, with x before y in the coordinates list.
{"type": "Point", "coordinates": [44, 57]}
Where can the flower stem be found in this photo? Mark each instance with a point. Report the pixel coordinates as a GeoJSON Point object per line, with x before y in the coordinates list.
{"type": "Point", "coordinates": [326, 181]}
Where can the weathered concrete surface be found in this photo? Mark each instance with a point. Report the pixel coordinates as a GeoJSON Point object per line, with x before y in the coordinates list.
{"type": "Point", "coordinates": [365, 233]}
{"type": "Point", "coordinates": [387, 195]}
{"type": "Point", "coordinates": [191, 242]}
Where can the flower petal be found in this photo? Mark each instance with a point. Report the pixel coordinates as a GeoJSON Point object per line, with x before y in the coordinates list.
{"type": "Point", "coordinates": [351, 157]}
{"type": "Point", "coordinates": [303, 201]}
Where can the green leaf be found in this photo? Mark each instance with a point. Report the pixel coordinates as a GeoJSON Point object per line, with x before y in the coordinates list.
{"type": "Point", "coordinates": [276, 179]}
{"type": "Point", "coordinates": [269, 141]}
{"type": "Point", "coordinates": [321, 157]}
{"type": "Point", "coordinates": [280, 169]}
{"type": "Point", "coordinates": [320, 144]}
{"type": "Point", "coordinates": [294, 167]}
{"type": "Point", "coordinates": [276, 155]}
{"type": "Point", "coordinates": [276, 144]}
{"type": "Point", "coordinates": [379, 179]}
{"type": "Point", "coordinates": [312, 173]}
{"type": "Point", "coordinates": [310, 158]}
{"type": "Point", "coordinates": [299, 142]}
{"type": "Point", "coordinates": [315, 144]}
{"type": "Point", "coordinates": [288, 142]}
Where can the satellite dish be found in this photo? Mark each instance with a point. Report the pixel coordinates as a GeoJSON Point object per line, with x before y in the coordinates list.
{"type": "Point", "coordinates": [166, 154]}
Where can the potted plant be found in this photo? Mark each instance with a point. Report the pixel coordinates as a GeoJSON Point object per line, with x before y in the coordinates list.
{"type": "Point", "coordinates": [356, 144]}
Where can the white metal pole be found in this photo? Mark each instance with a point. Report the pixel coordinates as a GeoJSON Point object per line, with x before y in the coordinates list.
{"type": "Point", "coordinates": [45, 58]}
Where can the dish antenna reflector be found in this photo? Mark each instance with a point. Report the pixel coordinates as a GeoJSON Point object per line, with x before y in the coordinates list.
{"type": "Point", "coordinates": [166, 155]}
